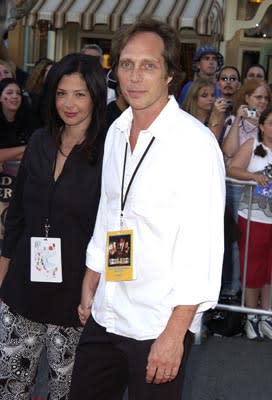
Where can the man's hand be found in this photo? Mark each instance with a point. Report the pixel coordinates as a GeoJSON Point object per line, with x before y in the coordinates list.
{"type": "Point", "coordinates": [166, 353]}
{"type": "Point", "coordinates": [164, 359]}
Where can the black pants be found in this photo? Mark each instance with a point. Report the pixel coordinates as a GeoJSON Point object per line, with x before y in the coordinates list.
{"type": "Point", "coordinates": [106, 364]}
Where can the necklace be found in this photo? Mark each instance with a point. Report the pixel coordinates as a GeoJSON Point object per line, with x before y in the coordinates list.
{"type": "Point", "coordinates": [61, 152]}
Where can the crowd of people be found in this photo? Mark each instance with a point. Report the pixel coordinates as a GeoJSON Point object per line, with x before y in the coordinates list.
{"type": "Point", "coordinates": [135, 161]}
{"type": "Point", "coordinates": [236, 112]}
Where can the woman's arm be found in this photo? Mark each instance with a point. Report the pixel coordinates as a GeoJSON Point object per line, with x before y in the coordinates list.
{"type": "Point", "coordinates": [12, 153]}
{"type": "Point", "coordinates": [89, 286]}
{"type": "Point", "coordinates": [238, 166]}
{"type": "Point", "coordinates": [217, 117]}
{"type": "Point", "coordinates": [14, 223]}
{"type": "Point", "coordinates": [4, 263]}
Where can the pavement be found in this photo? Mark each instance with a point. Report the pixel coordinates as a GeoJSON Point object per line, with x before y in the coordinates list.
{"type": "Point", "coordinates": [229, 368]}
{"type": "Point", "coordinates": [220, 368]}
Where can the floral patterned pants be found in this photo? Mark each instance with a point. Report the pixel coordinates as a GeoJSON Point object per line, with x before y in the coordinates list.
{"type": "Point", "coordinates": [21, 344]}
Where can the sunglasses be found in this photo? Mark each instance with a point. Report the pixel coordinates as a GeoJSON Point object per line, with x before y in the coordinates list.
{"type": "Point", "coordinates": [228, 78]}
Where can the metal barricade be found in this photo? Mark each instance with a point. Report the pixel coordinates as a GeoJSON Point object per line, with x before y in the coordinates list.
{"type": "Point", "coordinates": [242, 308]}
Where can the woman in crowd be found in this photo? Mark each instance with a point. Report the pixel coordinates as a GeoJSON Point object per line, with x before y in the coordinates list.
{"type": "Point", "coordinates": [200, 102]}
{"type": "Point", "coordinates": [16, 121]}
{"type": "Point", "coordinates": [249, 101]}
{"type": "Point", "coordinates": [48, 226]}
{"type": "Point", "coordinates": [250, 163]}
{"type": "Point", "coordinates": [6, 70]}
{"type": "Point", "coordinates": [255, 71]}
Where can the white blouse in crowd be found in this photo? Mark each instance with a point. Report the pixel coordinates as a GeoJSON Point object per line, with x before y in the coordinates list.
{"type": "Point", "coordinates": [261, 214]}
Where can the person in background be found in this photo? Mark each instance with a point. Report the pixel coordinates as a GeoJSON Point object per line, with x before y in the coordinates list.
{"type": "Point", "coordinates": [117, 106]}
{"type": "Point", "coordinates": [201, 103]}
{"type": "Point", "coordinates": [93, 49]}
{"type": "Point", "coordinates": [16, 126]}
{"type": "Point", "coordinates": [16, 122]}
{"type": "Point", "coordinates": [48, 226]}
{"type": "Point", "coordinates": [6, 70]}
{"type": "Point", "coordinates": [255, 71]}
{"type": "Point", "coordinates": [249, 102]}
{"type": "Point", "coordinates": [36, 88]}
{"type": "Point", "coordinates": [250, 163]}
{"type": "Point", "coordinates": [207, 61]}
{"type": "Point", "coordinates": [138, 326]}
{"type": "Point", "coordinates": [228, 81]}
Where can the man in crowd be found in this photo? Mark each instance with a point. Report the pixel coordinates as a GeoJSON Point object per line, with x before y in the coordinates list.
{"type": "Point", "coordinates": [228, 81]}
{"type": "Point", "coordinates": [93, 49]}
{"type": "Point", "coordinates": [163, 192]}
{"type": "Point", "coordinates": [207, 61]}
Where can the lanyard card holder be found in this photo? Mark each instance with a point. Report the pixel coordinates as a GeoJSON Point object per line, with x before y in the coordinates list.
{"type": "Point", "coordinates": [119, 256]}
{"type": "Point", "coordinates": [46, 260]}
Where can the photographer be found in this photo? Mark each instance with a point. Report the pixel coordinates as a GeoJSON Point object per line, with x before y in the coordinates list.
{"type": "Point", "coordinates": [228, 81]}
{"type": "Point", "coordinates": [249, 102]}
{"type": "Point", "coordinates": [253, 162]}
{"type": "Point", "coordinates": [201, 103]}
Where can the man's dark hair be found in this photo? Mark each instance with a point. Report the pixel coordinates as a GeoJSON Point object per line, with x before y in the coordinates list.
{"type": "Point", "coordinates": [169, 37]}
{"type": "Point", "coordinates": [229, 67]}
{"type": "Point", "coordinates": [93, 74]}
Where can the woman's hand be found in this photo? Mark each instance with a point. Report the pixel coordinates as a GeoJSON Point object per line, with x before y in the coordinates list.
{"type": "Point", "coordinates": [242, 112]}
{"type": "Point", "coordinates": [261, 179]}
{"type": "Point", "coordinates": [84, 313]}
{"type": "Point", "coordinates": [219, 106]}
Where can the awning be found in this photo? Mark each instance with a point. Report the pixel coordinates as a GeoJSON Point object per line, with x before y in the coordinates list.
{"type": "Point", "coordinates": [203, 16]}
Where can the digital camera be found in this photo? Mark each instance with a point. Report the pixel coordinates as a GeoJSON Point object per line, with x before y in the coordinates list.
{"type": "Point", "coordinates": [268, 171]}
{"type": "Point", "coordinates": [228, 104]}
{"type": "Point", "coordinates": [251, 112]}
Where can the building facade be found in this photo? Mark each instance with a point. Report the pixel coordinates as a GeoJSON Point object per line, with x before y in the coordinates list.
{"type": "Point", "coordinates": [241, 29]}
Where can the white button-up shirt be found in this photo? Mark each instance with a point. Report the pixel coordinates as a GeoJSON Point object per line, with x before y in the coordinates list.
{"type": "Point", "coordinates": [175, 207]}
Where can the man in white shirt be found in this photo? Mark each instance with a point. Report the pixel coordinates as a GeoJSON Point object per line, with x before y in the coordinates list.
{"type": "Point", "coordinates": [163, 194]}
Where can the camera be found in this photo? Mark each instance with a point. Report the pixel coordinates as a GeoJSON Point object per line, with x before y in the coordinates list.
{"type": "Point", "coordinates": [251, 112]}
{"type": "Point", "coordinates": [228, 104]}
{"type": "Point", "coordinates": [268, 171]}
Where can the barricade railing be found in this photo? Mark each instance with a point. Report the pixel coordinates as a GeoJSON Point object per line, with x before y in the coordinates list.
{"type": "Point", "coordinates": [235, 307]}
{"type": "Point", "coordinates": [242, 308]}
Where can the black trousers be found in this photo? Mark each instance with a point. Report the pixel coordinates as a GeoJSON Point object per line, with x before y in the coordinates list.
{"type": "Point", "coordinates": [106, 364]}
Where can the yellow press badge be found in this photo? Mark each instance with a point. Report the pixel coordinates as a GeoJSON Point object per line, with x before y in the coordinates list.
{"type": "Point", "coordinates": [119, 256]}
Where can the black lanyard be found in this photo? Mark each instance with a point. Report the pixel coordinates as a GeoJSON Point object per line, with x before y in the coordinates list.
{"type": "Point", "coordinates": [124, 198]}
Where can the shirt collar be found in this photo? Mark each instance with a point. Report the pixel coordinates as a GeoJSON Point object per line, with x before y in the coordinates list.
{"type": "Point", "coordinates": [159, 127]}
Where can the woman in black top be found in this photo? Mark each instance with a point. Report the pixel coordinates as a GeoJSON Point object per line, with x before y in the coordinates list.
{"type": "Point", "coordinates": [56, 200]}
{"type": "Point", "coordinates": [16, 121]}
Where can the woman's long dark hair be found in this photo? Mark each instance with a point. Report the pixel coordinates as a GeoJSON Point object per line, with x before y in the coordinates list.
{"type": "Point", "coordinates": [92, 73]}
{"type": "Point", "coordinates": [260, 151]}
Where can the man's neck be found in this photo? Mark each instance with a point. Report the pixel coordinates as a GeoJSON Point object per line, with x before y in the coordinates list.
{"type": "Point", "coordinates": [143, 118]}
{"type": "Point", "coordinates": [211, 78]}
